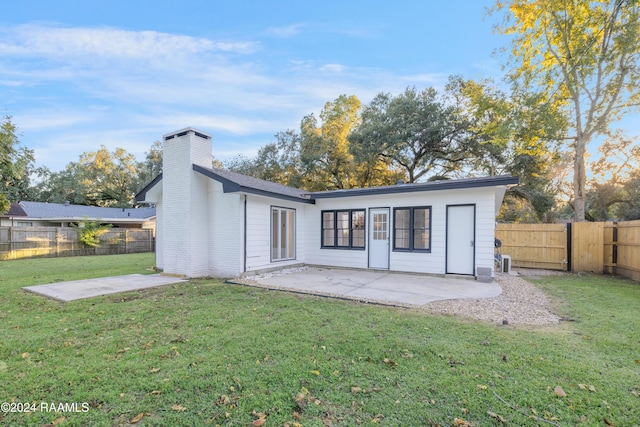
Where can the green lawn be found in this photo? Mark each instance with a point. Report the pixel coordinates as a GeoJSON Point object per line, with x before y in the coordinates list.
{"type": "Point", "coordinates": [209, 353]}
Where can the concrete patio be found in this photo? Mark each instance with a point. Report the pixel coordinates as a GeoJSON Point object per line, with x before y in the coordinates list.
{"type": "Point", "coordinates": [374, 286]}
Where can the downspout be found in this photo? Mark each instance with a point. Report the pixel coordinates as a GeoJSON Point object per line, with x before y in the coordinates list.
{"type": "Point", "coordinates": [244, 237]}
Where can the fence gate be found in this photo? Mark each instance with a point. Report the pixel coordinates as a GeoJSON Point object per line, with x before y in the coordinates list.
{"type": "Point", "coordinates": [587, 247]}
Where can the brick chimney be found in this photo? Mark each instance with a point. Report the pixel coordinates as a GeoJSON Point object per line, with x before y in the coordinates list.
{"type": "Point", "coordinates": [184, 223]}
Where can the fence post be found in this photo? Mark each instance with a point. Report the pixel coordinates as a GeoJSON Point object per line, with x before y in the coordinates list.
{"type": "Point", "coordinates": [126, 241]}
{"type": "Point", "coordinates": [569, 240]}
{"type": "Point", "coordinates": [11, 242]}
{"type": "Point", "coordinates": [614, 247]}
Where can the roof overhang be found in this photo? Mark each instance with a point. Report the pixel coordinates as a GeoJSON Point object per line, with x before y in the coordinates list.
{"type": "Point", "coordinates": [142, 194]}
{"type": "Point", "coordinates": [493, 181]}
{"type": "Point", "coordinates": [229, 186]}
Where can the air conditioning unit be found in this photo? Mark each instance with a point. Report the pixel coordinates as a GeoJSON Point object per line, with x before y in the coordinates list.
{"type": "Point", "coordinates": [505, 266]}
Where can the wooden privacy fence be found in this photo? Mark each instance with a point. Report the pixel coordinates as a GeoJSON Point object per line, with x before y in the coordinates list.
{"type": "Point", "coordinates": [32, 242]}
{"type": "Point", "coordinates": [622, 249]}
{"type": "Point", "coordinates": [582, 246]}
{"type": "Point", "coordinates": [534, 245]}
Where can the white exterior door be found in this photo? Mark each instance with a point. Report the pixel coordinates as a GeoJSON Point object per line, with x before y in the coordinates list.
{"type": "Point", "coordinates": [461, 235]}
{"type": "Point", "coordinates": [379, 239]}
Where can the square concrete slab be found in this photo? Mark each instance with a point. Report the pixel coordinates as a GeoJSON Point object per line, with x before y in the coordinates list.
{"type": "Point", "coordinates": [80, 289]}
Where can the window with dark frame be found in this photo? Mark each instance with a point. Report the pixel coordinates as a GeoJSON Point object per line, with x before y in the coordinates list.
{"type": "Point", "coordinates": [343, 229]}
{"type": "Point", "coordinates": [412, 229]}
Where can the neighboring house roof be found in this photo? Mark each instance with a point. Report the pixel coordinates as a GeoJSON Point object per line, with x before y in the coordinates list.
{"type": "Point", "coordinates": [235, 182]}
{"type": "Point", "coordinates": [15, 210]}
{"type": "Point", "coordinates": [60, 211]}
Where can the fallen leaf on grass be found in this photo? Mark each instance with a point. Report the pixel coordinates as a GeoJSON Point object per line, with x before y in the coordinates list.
{"type": "Point", "coordinates": [496, 416]}
{"type": "Point", "coordinates": [377, 418]}
{"type": "Point", "coordinates": [123, 350]}
{"type": "Point", "coordinates": [156, 392]}
{"type": "Point", "coordinates": [459, 422]}
{"type": "Point", "coordinates": [154, 370]}
{"type": "Point", "coordinates": [390, 362]}
{"type": "Point", "coordinates": [136, 418]}
{"type": "Point", "coordinates": [355, 390]}
{"type": "Point", "coordinates": [178, 408]}
{"type": "Point", "coordinates": [54, 422]}
{"type": "Point", "coordinates": [607, 422]}
{"type": "Point", "coordinates": [258, 422]}
{"type": "Point", "coordinates": [481, 386]}
{"type": "Point", "coordinates": [314, 372]}
{"type": "Point", "coordinates": [559, 392]}
{"type": "Point", "coordinates": [224, 400]}
{"type": "Point", "coordinates": [587, 387]}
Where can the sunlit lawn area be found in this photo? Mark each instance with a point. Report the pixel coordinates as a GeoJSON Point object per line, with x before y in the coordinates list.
{"type": "Point", "coordinates": [210, 353]}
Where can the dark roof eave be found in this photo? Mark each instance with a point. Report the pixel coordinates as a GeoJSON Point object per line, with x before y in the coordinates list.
{"type": "Point", "coordinates": [142, 194]}
{"type": "Point", "coordinates": [229, 186]}
{"type": "Point", "coordinates": [411, 188]}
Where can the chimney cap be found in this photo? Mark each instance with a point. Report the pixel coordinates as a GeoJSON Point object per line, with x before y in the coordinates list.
{"type": "Point", "coordinates": [182, 132]}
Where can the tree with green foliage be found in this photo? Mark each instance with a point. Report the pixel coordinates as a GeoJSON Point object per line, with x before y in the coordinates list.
{"type": "Point", "coordinates": [418, 132]}
{"type": "Point", "coordinates": [610, 193]}
{"type": "Point", "coordinates": [276, 162]}
{"type": "Point", "coordinates": [99, 178]}
{"type": "Point", "coordinates": [150, 167]}
{"type": "Point", "coordinates": [16, 165]}
{"type": "Point", "coordinates": [515, 134]}
{"type": "Point", "coordinates": [318, 157]}
{"type": "Point", "coordinates": [89, 232]}
{"type": "Point", "coordinates": [582, 56]}
{"type": "Point", "coordinates": [324, 147]}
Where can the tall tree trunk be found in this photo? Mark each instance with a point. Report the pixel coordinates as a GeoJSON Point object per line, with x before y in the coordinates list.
{"type": "Point", "coordinates": [579, 178]}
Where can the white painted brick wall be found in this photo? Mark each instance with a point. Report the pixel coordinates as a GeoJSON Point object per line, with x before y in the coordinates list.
{"type": "Point", "coordinates": [159, 234]}
{"type": "Point", "coordinates": [226, 222]}
{"type": "Point", "coordinates": [185, 214]}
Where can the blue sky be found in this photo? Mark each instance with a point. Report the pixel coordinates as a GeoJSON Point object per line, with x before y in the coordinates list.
{"type": "Point", "coordinates": [78, 74]}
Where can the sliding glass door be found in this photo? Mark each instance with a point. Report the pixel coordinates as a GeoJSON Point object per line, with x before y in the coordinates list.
{"type": "Point", "coordinates": [283, 236]}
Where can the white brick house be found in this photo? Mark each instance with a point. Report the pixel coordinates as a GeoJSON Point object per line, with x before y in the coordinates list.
{"type": "Point", "coordinates": [217, 223]}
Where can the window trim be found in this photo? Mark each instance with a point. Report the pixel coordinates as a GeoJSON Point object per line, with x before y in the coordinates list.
{"type": "Point", "coordinates": [294, 229]}
{"type": "Point", "coordinates": [335, 245]}
{"type": "Point", "coordinates": [411, 247]}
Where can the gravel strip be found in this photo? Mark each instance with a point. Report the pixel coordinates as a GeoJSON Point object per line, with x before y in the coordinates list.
{"type": "Point", "coordinates": [520, 303]}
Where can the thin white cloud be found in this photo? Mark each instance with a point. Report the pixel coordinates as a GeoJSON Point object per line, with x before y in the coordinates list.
{"type": "Point", "coordinates": [11, 83]}
{"type": "Point", "coordinates": [286, 31]}
{"type": "Point", "coordinates": [227, 123]}
{"type": "Point", "coordinates": [51, 119]}
{"type": "Point", "coordinates": [333, 68]}
{"type": "Point", "coordinates": [109, 43]}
